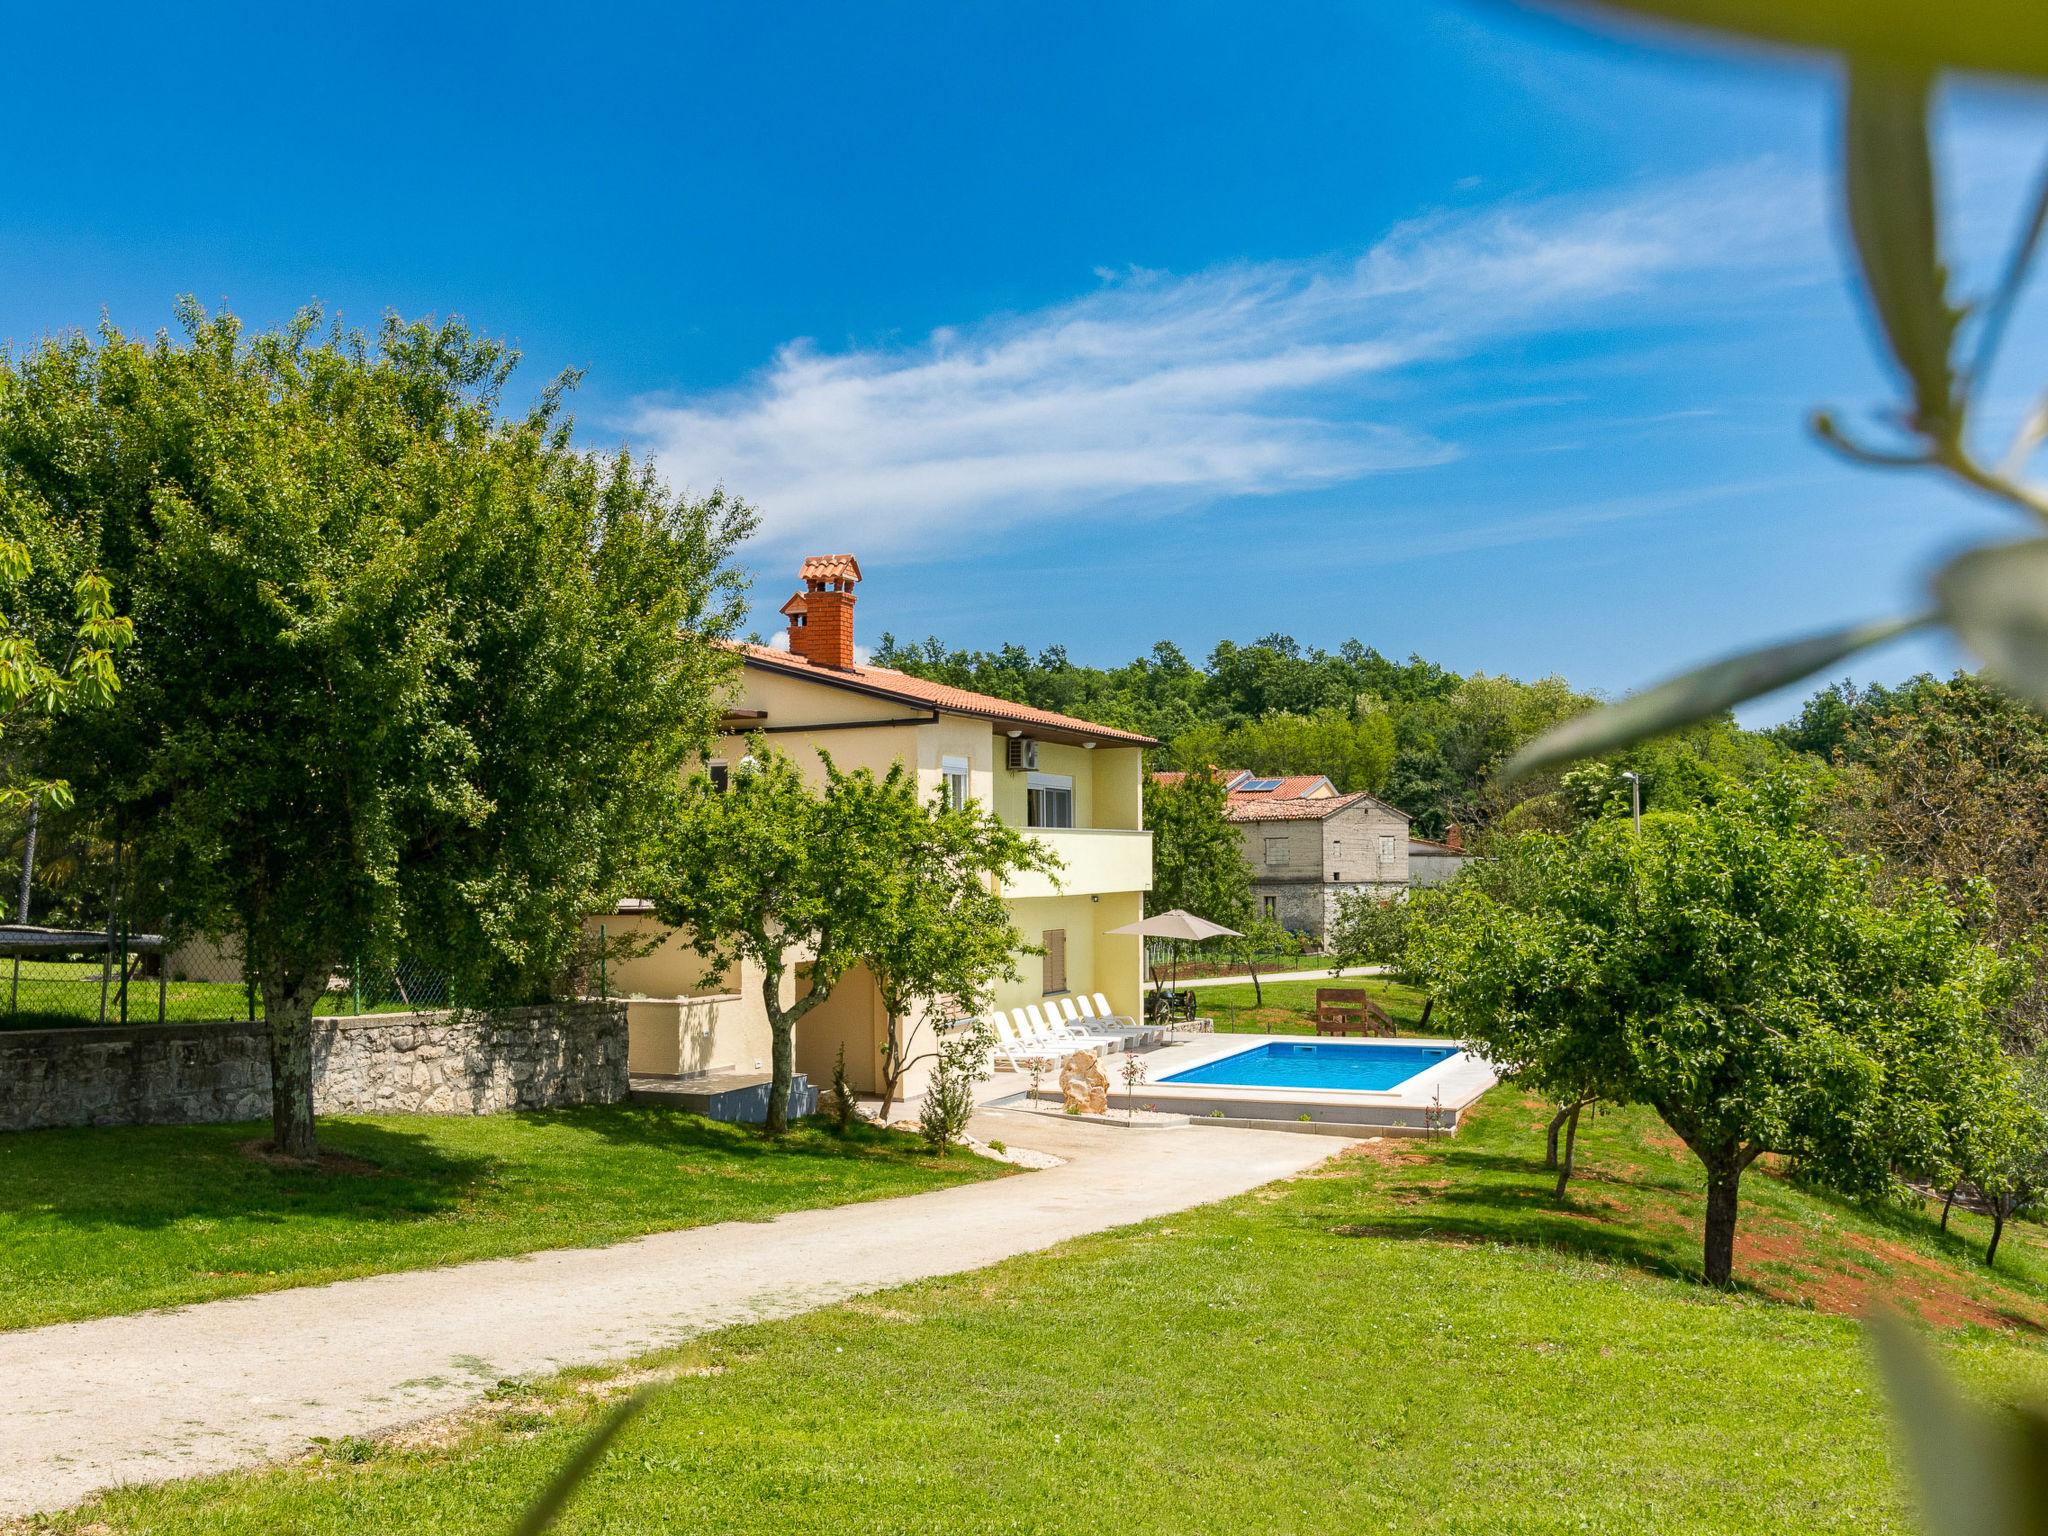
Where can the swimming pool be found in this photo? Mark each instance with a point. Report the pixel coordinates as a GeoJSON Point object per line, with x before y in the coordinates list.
{"type": "Point", "coordinates": [1318, 1064]}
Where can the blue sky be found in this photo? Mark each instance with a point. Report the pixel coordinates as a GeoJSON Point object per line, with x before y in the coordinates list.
{"type": "Point", "coordinates": [1091, 323]}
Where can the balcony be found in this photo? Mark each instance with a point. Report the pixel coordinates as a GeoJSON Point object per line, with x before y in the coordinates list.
{"type": "Point", "coordinates": [1095, 861]}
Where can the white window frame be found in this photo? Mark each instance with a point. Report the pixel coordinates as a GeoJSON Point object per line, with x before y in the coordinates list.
{"type": "Point", "coordinates": [953, 777]}
{"type": "Point", "coordinates": [1386, 847]}
{"type": "Point", "coordinates": [1040, 804]}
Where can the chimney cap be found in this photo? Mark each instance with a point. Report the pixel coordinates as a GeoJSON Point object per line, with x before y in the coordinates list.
{"type": "Point", "coordinates": [829, 568]}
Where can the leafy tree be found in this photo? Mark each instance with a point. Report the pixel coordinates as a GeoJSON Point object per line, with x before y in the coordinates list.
{"type": "Point", "coordinates": [1949, 782]}
{"type": "Point", "coordinates": [2004, 1147]}
{"type": "Point", "coordinates": [1353, 753]}
{"type": "Point", "coordinates": [1263, 938]}
{"type": "Point", "coordinates": [773, 871]}
{"type": "Point", "coordinates": [806, 882]}
{"type": "Point", "coordinates": [1450, 747]}
{"type": "Point", "coordinates": [30, 685]}
{"type": "Point", "coordinates": [1197, 857]}
{"type": "Point", "coordinates": [1730, 969]}
{"type": "Point", "coordinates": [412, 675]}
{"type": "Point", "coordinates": [1367, 930]}
{"type": "Point", "coordinates": [944, 934]}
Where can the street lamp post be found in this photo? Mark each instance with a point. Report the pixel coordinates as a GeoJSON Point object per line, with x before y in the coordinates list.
{"type": "Point", "coordinates": [1635, 798]}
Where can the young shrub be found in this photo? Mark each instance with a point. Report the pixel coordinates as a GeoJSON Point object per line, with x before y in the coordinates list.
{"type": "Point", "coordinates": [841, 1101]}
{"type": "Point", "coordinates": [949, 1098]}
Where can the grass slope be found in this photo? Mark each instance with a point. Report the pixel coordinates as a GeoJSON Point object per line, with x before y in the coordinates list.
{"type": "Point", "coordinates": [114, 1220]}
{"type": "Point", "coordinates": [1415, 1338]}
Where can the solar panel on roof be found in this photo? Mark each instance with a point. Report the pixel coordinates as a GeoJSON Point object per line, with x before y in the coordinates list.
{"type": "Point", "coordinates": [1258, 786]}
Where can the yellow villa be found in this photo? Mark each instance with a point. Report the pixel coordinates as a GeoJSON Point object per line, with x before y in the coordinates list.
{"type": "Point", "coordinates": [1075, 784]}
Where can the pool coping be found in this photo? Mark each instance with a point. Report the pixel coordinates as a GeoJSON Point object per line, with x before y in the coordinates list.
{"type": "Point", "coordinates": [1438, 1095]}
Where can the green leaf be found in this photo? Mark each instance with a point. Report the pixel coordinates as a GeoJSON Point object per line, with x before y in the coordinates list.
{"type": "Point", "coordinates": [1961, 1462]}
{"type": "Point", "coordinates": [545, 1510]}
{"type": "Point", "coordinates": [1888, 176]}
{"type": "Point", "coordinates": [1996, 600]}
{"type": "Point", "coordinates": [2006, 37]}
{"type": "Point", "coordinates": [1698, 694]}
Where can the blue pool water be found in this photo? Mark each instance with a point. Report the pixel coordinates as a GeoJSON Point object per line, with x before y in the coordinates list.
{"type": "Point", "coordinates": [1317, 1064]}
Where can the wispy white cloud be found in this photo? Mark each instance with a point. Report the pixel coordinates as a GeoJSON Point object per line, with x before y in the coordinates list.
{"type": "Point", "coordinates": [1159, 391]}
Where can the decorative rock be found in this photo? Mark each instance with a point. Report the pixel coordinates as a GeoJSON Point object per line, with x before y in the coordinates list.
{"type": "Point", "coordinates": [1084, 1085]}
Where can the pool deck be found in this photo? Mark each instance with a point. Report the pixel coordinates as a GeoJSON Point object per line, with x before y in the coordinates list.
{"type": "Point", "coordinates": [1433, 1099]}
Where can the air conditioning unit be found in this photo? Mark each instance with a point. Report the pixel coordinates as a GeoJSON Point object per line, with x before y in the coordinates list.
{"type": "Point", "coordinates": [1023, 754]}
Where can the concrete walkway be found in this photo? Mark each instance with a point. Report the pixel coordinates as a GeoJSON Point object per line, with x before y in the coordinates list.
{"type": "Point", "coordinates": [86, 1406]}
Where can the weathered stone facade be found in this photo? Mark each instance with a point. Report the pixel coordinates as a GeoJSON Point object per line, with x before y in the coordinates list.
{"type": "Point", "coordinates": [1307, 854]}
{"type": "Point", "coordinates": [403, 1063]}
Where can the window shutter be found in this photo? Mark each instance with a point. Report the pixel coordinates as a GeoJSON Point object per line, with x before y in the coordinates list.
{"type": "Point", "coordinates": [1054, 941]}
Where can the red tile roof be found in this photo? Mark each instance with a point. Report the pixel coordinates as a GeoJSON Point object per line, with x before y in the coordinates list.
{"type": "Point", "coordinates": [829, 568]}
{"type": "Point", "coordinates": [888, 683]}
{"type": "Point", "coordinates": [1244, 808]}
{"type": "Point", "coordinates": [1295, 787]}
{"type": "Point", "coordinates": [1261, 808]}
{"type": "Point", "coordinates": [1168, 777]}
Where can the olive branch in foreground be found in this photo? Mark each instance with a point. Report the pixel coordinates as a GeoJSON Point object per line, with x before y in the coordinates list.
{"type": "Point", "coordinates": [1993, 598]}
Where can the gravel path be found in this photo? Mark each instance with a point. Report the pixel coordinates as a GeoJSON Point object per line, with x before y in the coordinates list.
{"type": "Point", "coordinates": [157, 1395]}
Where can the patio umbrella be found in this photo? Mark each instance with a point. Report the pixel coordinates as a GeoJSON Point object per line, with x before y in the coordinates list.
{"type": "Point", "coordinates": [1177, 924]}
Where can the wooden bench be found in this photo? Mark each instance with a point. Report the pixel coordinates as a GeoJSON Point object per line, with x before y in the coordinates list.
{"type": "Point", "coordinates": [1350, 1011]}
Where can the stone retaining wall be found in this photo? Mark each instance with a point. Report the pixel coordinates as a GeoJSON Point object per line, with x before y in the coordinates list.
{"type": "Point", "coordinates": [393, 1063]}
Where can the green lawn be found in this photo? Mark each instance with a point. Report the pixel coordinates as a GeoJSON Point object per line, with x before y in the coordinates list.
{"type": "Point", "coordinates": [1289, 1007]}
{"type": "Point", "coordinates": [1417, 1338]}
{"type": "Point", "coordinates": [114, 1220]}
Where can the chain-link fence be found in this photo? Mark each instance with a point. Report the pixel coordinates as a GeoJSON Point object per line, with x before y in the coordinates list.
{"type": "Point", "coordinates": [83, 950]}
{"type": "Point", "coordinates": [55, 978]}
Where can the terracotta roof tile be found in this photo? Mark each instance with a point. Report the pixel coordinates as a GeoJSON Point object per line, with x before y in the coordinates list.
{"type": "Point", "coordinates": [1261, 808]}
{"type": "Point", "coordinates": [1291, 787]}
{"type": "Point", "coordinates": [961, 701]}
{"type": "Point", "coordinates": [829, 568]}
{"type": "Point", "coordinates": [1244, 808]}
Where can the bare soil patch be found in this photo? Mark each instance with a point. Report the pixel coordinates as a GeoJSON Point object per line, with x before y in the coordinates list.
{"type": "Point", "coordinates": [261, 1151]}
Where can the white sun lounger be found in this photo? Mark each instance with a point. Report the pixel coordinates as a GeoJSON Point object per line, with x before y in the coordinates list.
{"type": "Point", "coordinates": [1084, 1016]}
{"type": "Point", "coordinates": [1016, 1050]}
{"type": "Point", "coordinates": [1055, 1030]}
{"type": "Point", "coordinates": [1108, 1015]}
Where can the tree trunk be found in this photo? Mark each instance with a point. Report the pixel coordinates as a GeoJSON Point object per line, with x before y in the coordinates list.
{"type": "Point", "coordinates": [1997, 1231]}
{"type": "Point", "coordinates": [781, 1053]}
{"type": "Point", "coordinates": [288, 1009]}
{"type": "Point", "coordinates": [1258, 995]}
{"type": "Point", "coordinates": [1571, 1142]}
{"type": "Point", "coordinates": [1947, 1203]}
{"type": "Point", "coordinates": [1550, 1138]}
{"type": "Point", "coordinates": [893, 1067]}
{"type": "Point", "coordinates": [1422, 1024]}
{"type": "Point", "coordinates": [1724, 1184]}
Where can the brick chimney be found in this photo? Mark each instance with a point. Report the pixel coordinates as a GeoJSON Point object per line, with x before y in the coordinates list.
{"type": "Point", "coordinates": [821, 616]}
{"type": "Point", "coordinates": [1454, 838]}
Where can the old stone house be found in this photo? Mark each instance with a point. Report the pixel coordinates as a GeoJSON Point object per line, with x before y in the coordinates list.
{"type": "Point", "coordinates": [1308, 850]}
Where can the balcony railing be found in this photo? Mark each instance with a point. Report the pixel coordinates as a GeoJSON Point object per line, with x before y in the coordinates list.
{"type": "Point", "coordinates": [1094, 860]}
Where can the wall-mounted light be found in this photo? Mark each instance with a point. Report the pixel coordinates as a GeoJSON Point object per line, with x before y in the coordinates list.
{"type": "Point", "coordinates": [1013, 735]}
{"type": "Point", "coordinates": [1088, 746]}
